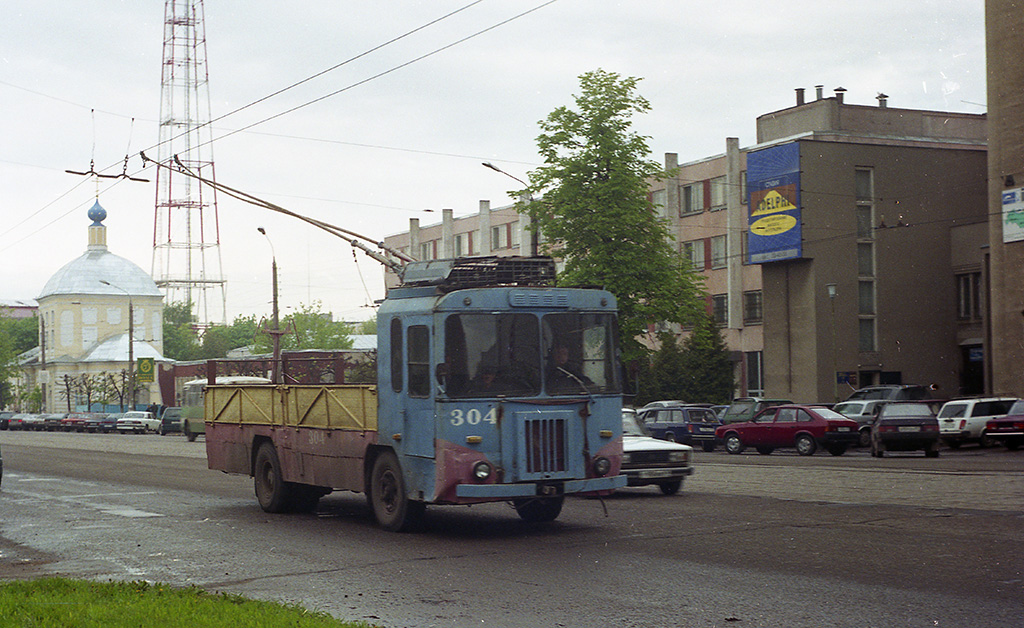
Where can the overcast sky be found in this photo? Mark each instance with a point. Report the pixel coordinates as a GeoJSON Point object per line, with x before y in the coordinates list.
{"type": "Point", "coordinates": [382, 151]}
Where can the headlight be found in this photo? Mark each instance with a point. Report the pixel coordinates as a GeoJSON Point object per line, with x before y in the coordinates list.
{"type": "Point", "coordinates": [482, 471]}
{"type": "Point", "coordinates": [627, 458]}
{"type": "Point", "coordinates": [679, 456]}
{"type": "Point", "coordinates": [602, 466]}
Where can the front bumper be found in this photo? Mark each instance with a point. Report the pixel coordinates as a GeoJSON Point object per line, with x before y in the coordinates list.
{"type": "Point", "coordinates": [539, 489]}
{"type": "Point", "coordinates": [642, 477]}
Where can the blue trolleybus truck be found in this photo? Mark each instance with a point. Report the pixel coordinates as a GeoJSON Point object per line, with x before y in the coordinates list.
{"type": "Point", "coordinates": [492, 385]}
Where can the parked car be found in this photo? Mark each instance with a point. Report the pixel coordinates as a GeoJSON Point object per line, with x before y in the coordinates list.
{"type": "Point", "coordinates": [864, 413]}
{"type": "Point", "coordinates": [32, 421]}
{"type": "Point", "coordinates": [905, 426]}
{"type": "Point", "coordinates": [647, 460]}
{"type": "Point", "coordinates": [689, 425]}
{"type": "Point", "coordinates": [662, 404]}
{"type": "Point", "coordinates": [17, 421]}
{"type": "Point", "coordinates": [892, 392]}
{"type": "Point", "coordinates": [52, 421]}
{"type": "Point", "coordinates": [102, 422]}
{"type": "Point", "coordinates": [804, 427]}
{"type": "Point", "coordinates": [74, 422]}
{"type": "Point", "coordinates": [5, 418]}
{"type": "Point", "coordinates": [1009, 429]}
{"type": "Point", "coordinates": [170, 420]}
{"type": "Point", "coordinates": [745, 408]}
{"type": "Point", "coordinates": [964, 420]}
{"type": "Point", "coordinates": [138, 421]}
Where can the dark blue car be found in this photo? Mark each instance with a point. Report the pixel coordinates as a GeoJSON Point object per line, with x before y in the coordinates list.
{"type": "Point", "coordinates": [687, 424]}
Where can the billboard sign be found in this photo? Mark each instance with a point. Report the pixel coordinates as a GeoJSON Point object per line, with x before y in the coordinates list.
{"type": "Point", "coordinates": [1013, 215]}
{"type": "Point", "coordinates": [773, 187]}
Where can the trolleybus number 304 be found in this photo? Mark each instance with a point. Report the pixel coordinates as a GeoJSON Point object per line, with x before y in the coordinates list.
{"type": "Point", "coordinates": [473, 416]}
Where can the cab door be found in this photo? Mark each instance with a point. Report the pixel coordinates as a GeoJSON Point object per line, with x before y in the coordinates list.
{"type": "Point", "coordinates": [419, 413]}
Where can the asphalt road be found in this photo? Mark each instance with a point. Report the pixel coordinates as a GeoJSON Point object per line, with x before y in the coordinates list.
{"type": "Point", "coordinates": [752, 540]}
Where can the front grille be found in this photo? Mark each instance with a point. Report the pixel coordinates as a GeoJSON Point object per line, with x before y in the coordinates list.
{"type": "Point", "coordinates": [545, 445]}
{"type": "Point", "coordinates": [647, 458]}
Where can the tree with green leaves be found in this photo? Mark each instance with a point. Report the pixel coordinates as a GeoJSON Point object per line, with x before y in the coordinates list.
{"type": "Point", "coordinates": [309, 328]}
{"type": "Point", "coordinates": [592, 206]}
{"type": "Point", "coordinates": [697, 371]}
{"type": "Point", "coordinates": [17, 335]}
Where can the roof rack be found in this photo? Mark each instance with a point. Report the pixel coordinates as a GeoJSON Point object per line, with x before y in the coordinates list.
{"type": "Point", "coordinates": [478, 272]}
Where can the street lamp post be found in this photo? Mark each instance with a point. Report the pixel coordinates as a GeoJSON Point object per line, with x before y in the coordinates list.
{"type": "Point", "coordinates": [534, 234]}
{"type": "Point", "coordinates": [276, 332]}
{"type": "Point", "coordinates": [833, 292]}
{"type": "Point", "coordinates": [131, 344]}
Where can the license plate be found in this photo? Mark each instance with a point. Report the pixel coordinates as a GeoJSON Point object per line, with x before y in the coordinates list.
{"type": "Point", "coordinates": [910, 428]}
{"type": "Point", "coordinates": [844, 429]}
{"type": "Point", "coordinates": [656, 473]}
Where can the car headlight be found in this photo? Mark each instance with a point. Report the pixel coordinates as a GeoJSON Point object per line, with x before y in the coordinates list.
{"type": "Point", "coordinates": [602, 466]}
{"type": "Point", "coordinates": [482, 470]}
{"type": "Point", "coordinates": [627, 458]}
{"type": "Point", "coordinates": [679, 456]}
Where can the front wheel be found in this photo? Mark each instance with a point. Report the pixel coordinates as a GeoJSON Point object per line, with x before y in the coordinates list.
{"type": "Point", "coordinates": [540, 509]}
{"type": "Point", "coordinates": [389, 500]}
{"type": "Point", "coordinates": [671, 488]}
{"type": "Point", "coordinates": [805, 445]}
{"type": "Point", "coordinates": [189, 434]}
{"type": "Point", "coordinates": [733, 444]}
{"type": "Point", "coordinates": [272, 491]}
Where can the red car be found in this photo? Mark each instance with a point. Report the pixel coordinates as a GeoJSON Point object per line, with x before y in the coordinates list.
{"type": "Point", "coordinates": [1009, 429]}
{"type": "Point", "coordinates": [804, 427]}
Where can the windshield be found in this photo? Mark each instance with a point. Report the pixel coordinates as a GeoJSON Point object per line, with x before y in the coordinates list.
{"type": "Point", "coordinates": [581, 354]}
{"type": "Point", "coordinates": [906, 409]}
{"type": "Point", "coordinates": [492, 354]}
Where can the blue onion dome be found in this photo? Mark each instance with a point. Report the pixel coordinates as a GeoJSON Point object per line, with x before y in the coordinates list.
{"type": "Point", "coordinates": [97, 214]}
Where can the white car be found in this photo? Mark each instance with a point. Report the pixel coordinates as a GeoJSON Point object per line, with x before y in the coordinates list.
{"type": "Point", "coordinates": [138, 421]}
{"type": "Point", "coordinates": [963, 420]}
{"type": "Point", "coordinates": [647, 460]}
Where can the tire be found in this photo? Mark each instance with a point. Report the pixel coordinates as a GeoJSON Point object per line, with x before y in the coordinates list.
{"type": "Point", "coordinates": [670, 437]}
{"type": "Point", "coordinates": [865, 437]}
{"type": "Point", "coordinates": [540, 509]}
{"type": "Point", "coordinates": [389, 500]}
{"type": "Point", "coordinates": [763, 450]}
{"type": "Point", "coordinates": [984, 441]}
{"type": "Point", "coordinates": [189, 434]}
{"type": "Point", "coordinates": [272, 492]}
{"type": "Point", "coordinates": [837, 450]}
{"type": "Point", "coordinates": [708, 446]}
{"type": "Point", "coordinates": [733, 444]}
{"type": "Point", "coordinates": [805, 445]}
{"type": "Point", "coordinates": [670, 488]}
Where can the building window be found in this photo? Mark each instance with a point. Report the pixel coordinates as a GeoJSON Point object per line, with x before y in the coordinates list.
{"type": "Point", "coordinates": [691, 198]}
{"type": "Point", "coordinates": [428, 250]}
{"type": "Point", "coordinates": [755, 373]}
{"type": "Point", "coordinates": [462, 244]}
{"type": "Point", "coordinates": [866, 297]}
{"type": "Point", "coordinates": [718, 256]}
{"type": "Point", "coordinates": [498, 237]}
{"type": "Point", "coordinates": [866, 259]}
{"type": "Point", "coordinates": [693, 251]}
{"type": "Point", "coordinates": [720, 309]}
{"type": "Point", "coordinates": [753, 308]}
{"type": "Point", "coordinates": [865, 185]}
{"type": "Point", "coordinates": [968, 296]}
{"type": "Point", "coordinates": [718, 193]}
{"type": "Point", "coordinates": [866, 334]}
{"type": "Point", "coordinates": [743, 188]}
{"type": "Point", "coordinates": [513, 234]}
{"type": "Point", "coordinates": [659, 202]}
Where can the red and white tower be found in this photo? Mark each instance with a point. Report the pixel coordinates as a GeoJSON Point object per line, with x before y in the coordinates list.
{"type": "Point", "coordinates": [186, 231]}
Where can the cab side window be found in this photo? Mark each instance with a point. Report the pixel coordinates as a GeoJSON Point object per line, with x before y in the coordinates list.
{"type": "Point", "coordinates": [786, 415]}
{"type": "Point", "coordinates": [419, 361]}
{"type": "Point", "coordinates": [396, 355]}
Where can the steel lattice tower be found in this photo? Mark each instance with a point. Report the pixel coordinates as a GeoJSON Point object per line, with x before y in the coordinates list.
{"type": "Point", "coordinates": [186, 230]}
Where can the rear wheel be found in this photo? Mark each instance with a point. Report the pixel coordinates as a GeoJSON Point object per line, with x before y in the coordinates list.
{"type": "Point", "coordinates": [671, 488]}
{"type": "Point", "coordinates": [984, 440]}
{"type": "Point", "coordinates": [670, 437]}
{"type": "Point", "coordinates": [805, 445]}
{"type": "Point", "coordinates": [540, 509]}
{"type": "Point", "coordinates": [733, 444]}
{"type": "Point", "coordinates": [272, 492]}
{"type": "Point", "coordinates": [389, 500]}
{"type": "Point", "coordinates": [865, 437]}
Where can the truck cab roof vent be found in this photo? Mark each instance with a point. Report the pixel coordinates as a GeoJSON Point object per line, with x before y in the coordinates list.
{"type": "Point", "coordinates": [479, 272]}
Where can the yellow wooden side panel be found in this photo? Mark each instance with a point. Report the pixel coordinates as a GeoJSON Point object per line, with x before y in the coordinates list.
{"type": "Point", "coordinates": [339, 406]}
{"type": "Point", "coordinates": [347, 407]}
